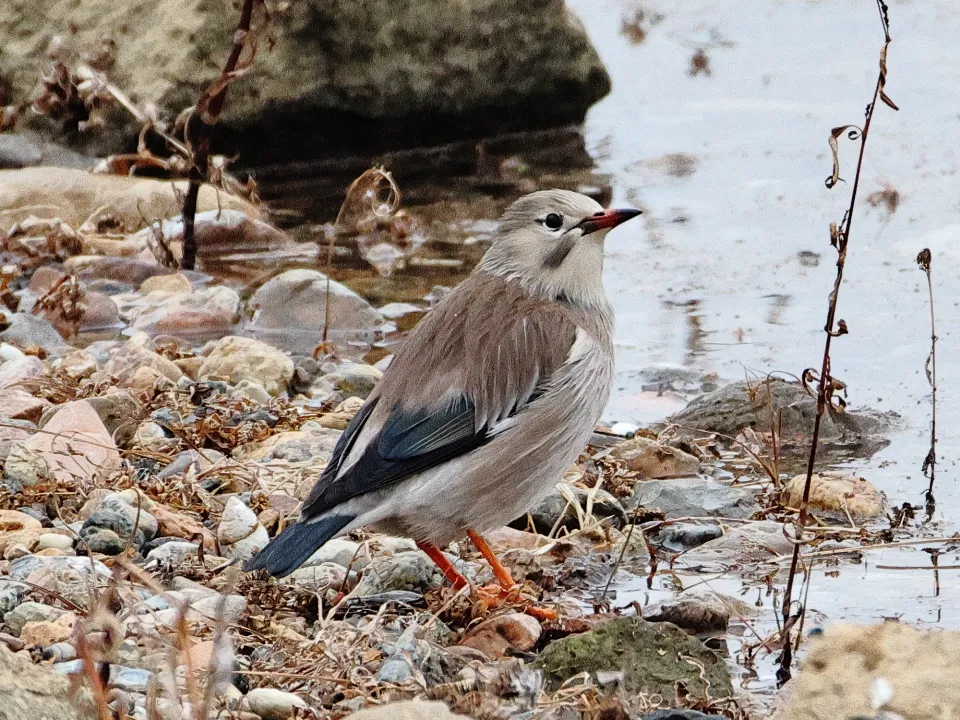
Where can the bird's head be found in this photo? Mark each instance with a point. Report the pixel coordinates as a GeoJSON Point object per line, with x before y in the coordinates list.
{"type": "Point", "coordinates": [552, 243]}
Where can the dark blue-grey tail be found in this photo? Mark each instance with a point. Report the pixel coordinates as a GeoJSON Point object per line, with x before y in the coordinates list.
{"type": "Point", "coordinates": [291, 548]}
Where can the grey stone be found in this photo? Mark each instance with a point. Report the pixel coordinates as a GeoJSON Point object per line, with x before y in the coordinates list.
{"type": "Point", "coordinates": [753, 542]}
{"type": "Point", "coordinates": [116, 514]}
{"type": "Point", "coordinates": [22, 568]}
{"type": "Point", "coordinates": [385, 72]}
{"type": "Point", "coordinates": [683, 536]}
{"type": "Point", "coordinates": [102, 540]}
{"type": "Point", "coordinates": [405, 571]}
{"type": "Point", "coordinates": [290, 311]}
{"type": "Point", "coordinates": [694, 497]}
{"type": "Point", "coordinates": [30, 612]}
{"type": "Point", "coordinates": [699, 612]}
{"type": "Point", "coordinates": [353, 379]}
{"type": "Point", "coordinates": [763, 405]}
{"type": "Point", "coordinates": [549, 511]}
{"type": "Point", "coordinates": [28, 330]}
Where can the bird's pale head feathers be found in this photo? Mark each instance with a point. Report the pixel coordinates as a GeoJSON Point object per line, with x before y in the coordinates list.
{"type": "Point", "coordinates": [551, 242]}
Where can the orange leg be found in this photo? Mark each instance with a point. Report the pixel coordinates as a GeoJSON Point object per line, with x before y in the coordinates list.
{"type": "Point", "coordinates": [446, 567]}
{"type": "Point", "coordinates": [499, 571]}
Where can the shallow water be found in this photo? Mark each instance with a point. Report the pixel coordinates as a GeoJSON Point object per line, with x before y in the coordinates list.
{"type": "Point", "coordinates": [721, 278]}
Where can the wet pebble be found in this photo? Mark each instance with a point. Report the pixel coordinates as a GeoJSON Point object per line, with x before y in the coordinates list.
{"type": "Point", "coordinates": [693, 497]}
{"type": "Point", "coordinates": [837, 492]}
{"type": "Point", "coordinates": [683, 536]}
{"type": "Point", "coordinates": [556, 511]}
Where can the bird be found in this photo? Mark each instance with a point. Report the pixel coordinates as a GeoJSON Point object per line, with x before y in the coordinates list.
{"type": "Point", "coordinates": [488, 401]}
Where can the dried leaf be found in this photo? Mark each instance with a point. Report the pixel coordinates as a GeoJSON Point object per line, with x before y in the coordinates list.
{"type": "Point", "coordinates": [853, 133]}
{"type": "Point", "coordinates": [924, 258]}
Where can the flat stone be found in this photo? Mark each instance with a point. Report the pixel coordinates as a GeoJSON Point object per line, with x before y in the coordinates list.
{"type": "Point", "coordinates": [837, 492]}
{"type": "Point", "coordinates": [650, 459]}
{"type": "Point", "coordinates": [503, 634]}
{"type": "Point", "coordinates": [237, 358]}
{"type": "Point", "coordinates": [694, 497]}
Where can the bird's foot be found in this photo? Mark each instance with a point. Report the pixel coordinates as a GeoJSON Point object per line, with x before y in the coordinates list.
{"type": "Point", "coordinates": [489, 597]}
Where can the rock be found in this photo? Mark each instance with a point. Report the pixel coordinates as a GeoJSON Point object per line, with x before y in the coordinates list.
{"type": "Point", "coordinates": [13, 372]}
{"type": "Point", "coordinates": [753, 542]}
{"type": "Point", "coordinates": [384, 73]}
{"type": "Point", "coordinates": [75, 195]}
{"type": "Point", "coordinates": [693, 497]}
{"type": "Point", "coordinates": [176, 283]}
{"type": "Point", "coordinates": [27, 330]}
{"type": "Point", "coordinates": [18, 528]}
{"type": "Point", "coordinates": [683, 536]}
{"type": "Point", "coordinates": [290, 311]}
{"type": "Point", "coordinates": [68, 576]}
{"type": "Point", "coordinates": [503, 634]}
{"type": "Point", "coordinates": [653, 657]}
{"type": "Point", "coordinates": [405, 571]}
{"type": "Point", "coordinates": [74, 447]}
{"type": "Point", "coordinates": [43, 633]}
{"type": "Point", "coordinates": [250, 391]}
{"type": "Point", "coordinates": [117, 411]}
{"type": "Point", "coordinates": [699, 612]}
{"type": "Point", "coordinates": [272, 704]}
{"type": "Point", "coordinates": [37, 692]}
{"type": "Point", "coordinates": [352, 379]}
{"type": "Point", "coordinates": [128, 358]}
{"type": "Point", "coordinates": [31, 612]}
{"type": "Point", "coordinates": [239, 533]}
{"type": "Point", "coordinates": [193, 314]}
{"type": "Point", "coordinates": [206, 610]}
{"type": "Point", "coordinates": [679, 715]}
{"type": "Point", "coordinates": [292, 446]}
{"type": "Point", "coordinates": [761, 405]}
{"type": "Point", "coordinates": [55, 541]}
{"type": "Point", "coordinates": [102, 540]}
{"type": "Point", "coordinates": [839, 493]}
{"type": "Point", "coordinates": [237, 358]}
{"type": "Point", "coordinates": [76, 365]}
{"type": "Point", "coordinates": [321, 578]}
{"type": "Point", "coordinates": [13, 431]}
{"type": "Point", "coordinates": [650, 459]}
{"type": "Point", "coordinates": [219, 234]}
{"type": "Point", "coordinates": [843, 665]}
{"type": "Point", "coordinates": [119, 518]}
{"type": "Point", "coordinates": [341, 551]}
{"type": "Point", "coordinates": [548, 512]}
{"type": "Point", "coordinates": [408, 710]}
{"type": "Point", "coordinates": [18, 404]}
{"type": "Point", "coordinates": [125, 273]}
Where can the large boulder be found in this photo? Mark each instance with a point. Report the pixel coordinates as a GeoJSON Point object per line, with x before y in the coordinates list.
{"type": "Point", "coordinates": [376, 73]}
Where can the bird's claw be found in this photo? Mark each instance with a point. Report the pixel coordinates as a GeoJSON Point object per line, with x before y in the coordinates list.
{"type": "Point", "coordinates": [493, 596]}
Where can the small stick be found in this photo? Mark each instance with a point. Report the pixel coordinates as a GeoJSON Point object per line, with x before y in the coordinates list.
{"type": "Point", "coordinates": [827, 386]}
{"type": "Point", "coordinates": [930, 367]}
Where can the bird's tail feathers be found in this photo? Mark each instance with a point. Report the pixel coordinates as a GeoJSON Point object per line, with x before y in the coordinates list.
{"type": "Point", "coordinates": [291, 548]}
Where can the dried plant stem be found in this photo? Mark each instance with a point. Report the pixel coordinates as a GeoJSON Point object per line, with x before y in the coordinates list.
{"type": "Point", "coordinates": [199, 130]}
{"type": "Point", "coordinates": [924, 260]}
{"type": "Point", "coordinates": [826, 387]}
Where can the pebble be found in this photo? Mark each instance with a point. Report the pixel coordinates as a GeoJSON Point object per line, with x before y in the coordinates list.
{"type": "Point", "coordinates": [102, 540]}
{"type": "Point", "coordinates": [28, 330]}
{"type": "Point", "coordinates": [115, 514]}
{"type": "Point", "coordinates": [272, 704]}
{"type": "Point", "coordinates": [694, 497]}
{"type": "Point", "coordinates": [350, 379]}
{"type": "Point", "coordinates": [239, 533]}
{"type": "Point", "coordinates": [43, 633]}
{"type": "Point", "coordinates": [320, 578]}
{"type": "Point", "coordinates": [556, 511]}
{"type": "Point", "coordinates": [239, 358]}
{"type": "Point", "coordinates": [405, 571]}
{"type": "Point", "coordinates": [504, 634]}
{"type": "Point", "coordinates": [30, 612]}
{"type": "Point", "coordinates": [651, 460]}
{"type": "Point", "coordinates": [837, 492]}
{"type": "Point", "coordinates": [341, 551]}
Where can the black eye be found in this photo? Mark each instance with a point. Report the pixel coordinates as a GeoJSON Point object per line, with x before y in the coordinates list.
{"type": "Point", "coordinates": [553, 221]}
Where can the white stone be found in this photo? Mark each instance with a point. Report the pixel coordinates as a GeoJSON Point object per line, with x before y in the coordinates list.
{"type": "Point", "coordinates": [272, 704]}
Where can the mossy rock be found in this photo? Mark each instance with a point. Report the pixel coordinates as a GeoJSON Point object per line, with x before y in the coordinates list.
{"type": "Point", "coordinates": [655, 658]}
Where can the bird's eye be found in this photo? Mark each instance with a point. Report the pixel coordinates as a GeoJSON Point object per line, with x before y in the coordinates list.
{"type": "Point", "coordinates": [553, 221]}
